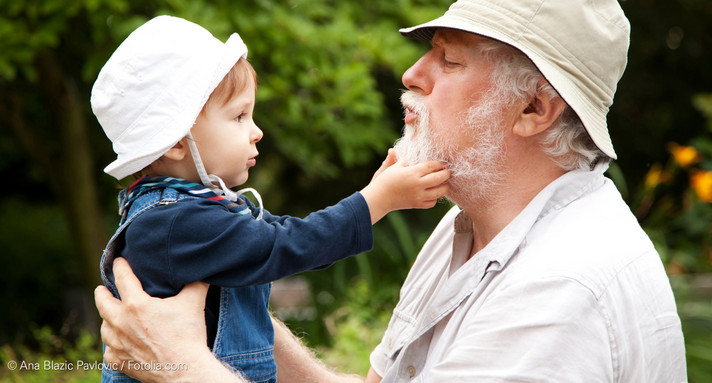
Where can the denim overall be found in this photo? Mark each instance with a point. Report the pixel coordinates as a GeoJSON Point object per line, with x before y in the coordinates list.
{"type": "Point", "coordinates": [244, 338]}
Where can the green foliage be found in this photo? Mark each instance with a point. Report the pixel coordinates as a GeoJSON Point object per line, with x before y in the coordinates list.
{"type": "Point", "coordinates": [53, 360]}
{"type": "Point", "coordinates": [356, 327]}
{"type": "Point", "coordinates": [695, 309]}
{"type": "Point", "coordinates": [675, 203]}
{"type": "Point", "coordinates": [318, 100]}
{"type": "Point", "coordinates": [666, 66]}
{"type": "Point", "coordinates": [30, 27]}
{"type": "Point", "coordinates": [46, 264]}
{"type": "Point", "coordinates": [703, 102]}
{"type": "Point", "coordinates": [397, 241]}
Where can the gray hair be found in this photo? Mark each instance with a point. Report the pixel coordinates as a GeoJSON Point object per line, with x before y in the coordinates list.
{"type": "Point", "coordinates": [567, 142]}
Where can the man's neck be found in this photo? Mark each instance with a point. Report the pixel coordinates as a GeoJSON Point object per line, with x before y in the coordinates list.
{"type": "Point", "coordinates": [491, 214]}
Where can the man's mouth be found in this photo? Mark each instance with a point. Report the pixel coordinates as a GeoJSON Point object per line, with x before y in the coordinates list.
{"type": "Point", "coordinates": [410, 116]}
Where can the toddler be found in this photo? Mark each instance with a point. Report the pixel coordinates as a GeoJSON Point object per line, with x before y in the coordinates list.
{"type": "Point", "coordinates": [178, 105]}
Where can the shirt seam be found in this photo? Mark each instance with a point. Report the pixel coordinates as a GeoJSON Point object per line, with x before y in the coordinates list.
{"type": "Point", "coordinates": [574, 196]}
{"type": "Point", "coordinates": [614, 345]}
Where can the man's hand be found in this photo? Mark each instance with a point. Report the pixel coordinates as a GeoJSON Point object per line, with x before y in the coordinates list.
{"type": "Point", "coordinates": [396, 186]}
{"type": "Point", "coordinates": [168, 333]}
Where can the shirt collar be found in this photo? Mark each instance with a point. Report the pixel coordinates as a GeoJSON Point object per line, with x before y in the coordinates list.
{"type": "Point", "coordinates": [558, 194]}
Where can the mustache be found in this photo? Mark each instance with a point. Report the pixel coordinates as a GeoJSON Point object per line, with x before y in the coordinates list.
{"type": "Point", "coordinates": [413, 101]}
{"type": "Point", "coordinates": [416, 145]}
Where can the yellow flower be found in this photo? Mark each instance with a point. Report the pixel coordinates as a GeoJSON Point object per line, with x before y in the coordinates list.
{"type": "Point", "coordinates": [683, 155]}
{"type": "Point", "coordinates": [701, 182]}
{"type": "Point", "coordinates": [656, 176]}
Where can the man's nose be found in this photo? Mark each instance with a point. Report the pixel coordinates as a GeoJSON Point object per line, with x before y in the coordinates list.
{"type": "Point", "coordinates": [418, 78]}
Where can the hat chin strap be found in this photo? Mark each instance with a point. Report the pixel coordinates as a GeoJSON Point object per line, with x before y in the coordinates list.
{"type": "Point", "coordinates": [209, 180]}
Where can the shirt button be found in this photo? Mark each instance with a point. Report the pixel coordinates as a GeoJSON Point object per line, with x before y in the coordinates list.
{"type": "Point", "coordinates": [411, 371]}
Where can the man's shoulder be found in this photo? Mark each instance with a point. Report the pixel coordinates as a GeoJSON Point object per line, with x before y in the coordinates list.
{"type": "Point", "coordinates": [596, 220]}
{"type": "Point", "coordinates": [589, 240]}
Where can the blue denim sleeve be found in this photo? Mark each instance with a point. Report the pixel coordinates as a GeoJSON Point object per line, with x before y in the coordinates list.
{"type": "Point", "coordinates": [206, 242]}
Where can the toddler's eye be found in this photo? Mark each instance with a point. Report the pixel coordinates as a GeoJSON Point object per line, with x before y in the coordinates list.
{"type": "Point", "coordinates": [240, 117]}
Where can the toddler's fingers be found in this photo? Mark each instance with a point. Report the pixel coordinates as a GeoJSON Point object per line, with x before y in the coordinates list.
{"type": "Point", "coordinates": [430, 166]}
{"type": "Point", "coordinates": [387, 163]}
{"type": "Point", "coordinates": [436, 177]}
{"type": "Point", "coordinates": [391, 158]}
{"type": "Point", "coordinates": [437, 191]}
{"type": "Point", "coordinates": [427, 204]}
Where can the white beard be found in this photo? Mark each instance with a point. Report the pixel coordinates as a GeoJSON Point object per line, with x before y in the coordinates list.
{"type": "Point", "coordinates": [421, 148]}
{"type": "Point", "coordinates": [475, 170]}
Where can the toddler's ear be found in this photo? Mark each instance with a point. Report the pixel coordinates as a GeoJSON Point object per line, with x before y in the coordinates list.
{"type": "Point", "coordinates": [178, 151]}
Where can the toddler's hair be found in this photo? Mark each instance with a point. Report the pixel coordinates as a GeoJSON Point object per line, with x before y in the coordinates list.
{"type": "Point", "coordinates": [234, 82]}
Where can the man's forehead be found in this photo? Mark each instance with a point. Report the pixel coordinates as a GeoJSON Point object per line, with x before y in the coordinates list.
{"type": "Point", "coordinates": [447, 36]}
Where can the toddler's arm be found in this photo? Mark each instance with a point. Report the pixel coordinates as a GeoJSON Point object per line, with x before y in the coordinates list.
{"type": "Point", "coordinates": [396, 186]}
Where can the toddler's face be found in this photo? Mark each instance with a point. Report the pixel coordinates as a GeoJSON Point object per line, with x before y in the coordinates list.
{"type": "Point", "coordinates": [226, 136]}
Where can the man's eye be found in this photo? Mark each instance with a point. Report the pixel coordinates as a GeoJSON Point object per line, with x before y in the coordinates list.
{"type": "Point", "coordinates": [448, 62]}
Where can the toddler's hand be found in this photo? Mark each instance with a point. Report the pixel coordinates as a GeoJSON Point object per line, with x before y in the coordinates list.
{"type": "Point", "coordinates": [414, 187]}
{"type": "Point", "coordinates": [390, 160]}
{"type": "Point", "coordinates": [396, 186]}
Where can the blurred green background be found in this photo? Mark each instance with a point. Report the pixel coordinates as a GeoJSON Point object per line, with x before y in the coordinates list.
{"type": "Point", "coordinates": [329, 80]}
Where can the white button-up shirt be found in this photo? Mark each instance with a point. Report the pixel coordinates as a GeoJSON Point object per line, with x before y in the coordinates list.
{"type": "Point", "coordinates": [572, 290]}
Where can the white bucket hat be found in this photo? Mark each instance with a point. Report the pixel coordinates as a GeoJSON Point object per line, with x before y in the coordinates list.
{"type": "Point", "coordinates": [580, 46]}
{"type": "Point", "coordinates": [150, 92]}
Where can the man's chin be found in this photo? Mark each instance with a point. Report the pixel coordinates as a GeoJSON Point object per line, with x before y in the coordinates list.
{"type": "Point", "coordinates": [411, 154]}
{"type": "Point", "coordinates": [404, 153]}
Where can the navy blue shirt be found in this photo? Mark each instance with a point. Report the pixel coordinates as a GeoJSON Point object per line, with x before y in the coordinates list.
{"type": "Point", "coordinates": [174, 232]}
{"type": "Point", "coordinates": [197, 239]}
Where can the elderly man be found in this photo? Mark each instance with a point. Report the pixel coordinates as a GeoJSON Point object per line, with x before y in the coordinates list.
{"type": "Point", "coordinates": [540, 273]}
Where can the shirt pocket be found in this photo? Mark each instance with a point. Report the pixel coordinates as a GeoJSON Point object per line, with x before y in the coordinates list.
{"type": "Point", "coordinates": [400, 330]}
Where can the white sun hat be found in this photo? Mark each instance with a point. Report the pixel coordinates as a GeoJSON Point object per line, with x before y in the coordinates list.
{"type": "Point", "coordinates": [150, 92]}
{"type": "Point", "coordinates": [580, 46]}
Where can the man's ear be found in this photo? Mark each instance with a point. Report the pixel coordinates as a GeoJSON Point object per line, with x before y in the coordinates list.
{"type": "Point", "coordinates": [178, 151]}
{"type": "Point", "coordinates": [539, 114]}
